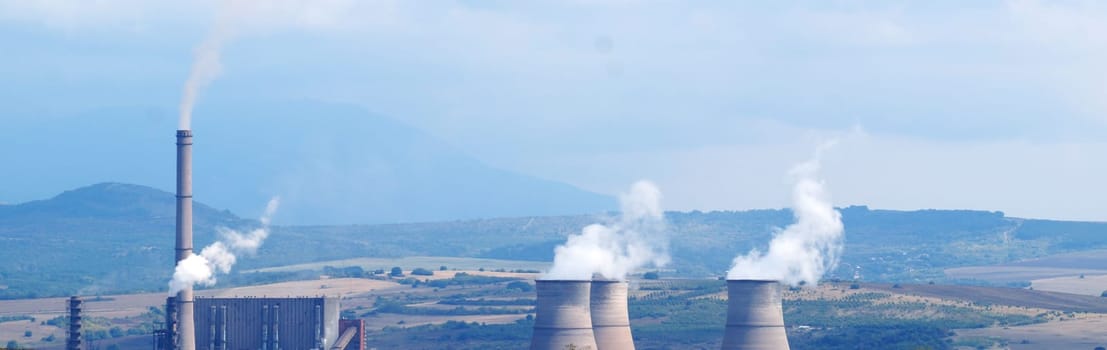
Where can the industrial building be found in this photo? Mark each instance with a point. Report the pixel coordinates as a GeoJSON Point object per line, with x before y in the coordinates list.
{"type": "Point", "coordinates": [569, 314]}
{"type": "Point", "coordinates": [273, 324]}
{"type": "Point", "coordinates": [240, 323]}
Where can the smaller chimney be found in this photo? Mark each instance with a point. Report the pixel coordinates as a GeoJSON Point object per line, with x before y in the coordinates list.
{"type": "Point", "coordinates": [73, 338]}
{"type": "Point", "coordinates": [170, 323]}
{"type": "Point", "coordinates": [563, 319]}
{"type": "Point", "coordinates": [755, 317]}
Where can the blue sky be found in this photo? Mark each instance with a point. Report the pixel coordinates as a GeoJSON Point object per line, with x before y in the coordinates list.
{"type": "Point", "coordinates": [997, 105]}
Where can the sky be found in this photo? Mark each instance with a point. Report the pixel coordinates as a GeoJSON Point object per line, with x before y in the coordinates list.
{"type": "Point", "coordinates": [992, 105]}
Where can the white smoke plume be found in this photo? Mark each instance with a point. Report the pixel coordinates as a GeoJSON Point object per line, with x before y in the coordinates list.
{"type": "Point", "coordinates": [206, 66]}
{"type": "Point", "coordinates": [220, 256]}
{"type": "Point", "coordinates": [635, 239]}
{"type": "Point", "coordinates": [235, 18]}
{"type": "Point", "coordinates": [806, 249]}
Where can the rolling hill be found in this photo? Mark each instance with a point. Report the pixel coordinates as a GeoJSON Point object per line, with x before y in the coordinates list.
{"type": "Point", "coordinates": [115, 237]}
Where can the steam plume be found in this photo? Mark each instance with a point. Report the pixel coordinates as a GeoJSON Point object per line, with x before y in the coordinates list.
{"type": "Point", "coordinates": [806, 249]}
{"type": "Point", "coordinates": [219, 257]}
{"type": "Point", "coordinates": [633, 240]}
{"type": "Point", "coordinates": [206, 64]}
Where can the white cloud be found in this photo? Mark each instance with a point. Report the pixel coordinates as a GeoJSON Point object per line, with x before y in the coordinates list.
{"type": "Point", "coordinates": [959, 97]}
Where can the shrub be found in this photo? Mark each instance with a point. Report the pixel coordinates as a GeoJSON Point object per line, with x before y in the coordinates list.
{"type": "Point", "coordinates": [397, 272]}
{"type": "Point", "coordinates": [422, 272]}
{"type": "Point", "coordinates": [1104, 294]}
{"type": "Point", "coordinates": [520, 286]}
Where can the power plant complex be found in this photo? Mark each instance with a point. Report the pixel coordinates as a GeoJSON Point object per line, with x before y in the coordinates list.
{"type": "Point", "coordinates": [569, 314]}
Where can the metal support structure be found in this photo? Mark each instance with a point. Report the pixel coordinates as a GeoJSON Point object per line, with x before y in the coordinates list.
{"type": "Point", "coordinates": [73, 337]}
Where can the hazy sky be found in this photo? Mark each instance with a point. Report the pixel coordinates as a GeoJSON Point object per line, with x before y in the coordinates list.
{"type": "Point", "coordinates": [997, 105]}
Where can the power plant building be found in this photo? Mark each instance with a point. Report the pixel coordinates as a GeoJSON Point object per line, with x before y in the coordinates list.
{"type": "Point", "coordinates": [266, 323]}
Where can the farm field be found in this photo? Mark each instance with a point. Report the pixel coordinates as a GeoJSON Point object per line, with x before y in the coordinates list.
{"type": "Point", "coordinates": [1082, 333]}
{"type": "Point", "coordinates": [408, 263]}
{"type": "Point", "coordinates": [490, 309]}
{"type": "Point", "coordinates": [1093, 285]}
{"type": "Point", "coordinates": [130, 310]}
{"type": "Point", "coordinates": [1091, 262]}
{"type": "Point", "coordinates": [1002, 296]}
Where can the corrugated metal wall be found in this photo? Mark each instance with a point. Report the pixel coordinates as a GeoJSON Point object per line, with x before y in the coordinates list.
{"type": "Point", "coordinates": [265, 323]}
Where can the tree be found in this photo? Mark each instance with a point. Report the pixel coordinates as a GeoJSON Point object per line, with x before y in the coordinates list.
{"type": "Point", "coordinates": [27, 334]}
{"type": "Point", "coordinates": [442, 268]}
{"type": "Point", "coordinates": [1104, 294]}
{"type": "Point", "coordinates": [520, 286]}
{"type": "Point", "coordinates": [397, 272]}
{"type": "Point", "coordinates": [12, 345]}
{"type": "Point", "coordinates": [419, 271]}
{"type": "Point", "coordinates": [116, 332]}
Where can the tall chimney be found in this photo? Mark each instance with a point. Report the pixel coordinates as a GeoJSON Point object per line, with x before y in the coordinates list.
{"type": "Point", "coordinates": [73, 338]}
{"type": "Point", "coordinates": [563, 316]}
{"type": "Point", "coordinates": [754, 318]}
{"type": "Point", "coordinates": [610, 317]}
{"type": "Point", "coordinates": [186, 327]}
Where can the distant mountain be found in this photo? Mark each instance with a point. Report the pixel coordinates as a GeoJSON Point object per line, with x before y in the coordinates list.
{"type": "Point", "coordinates": [108, 202]}
{"type": "Point", "coordinates": [330, 164]}
{"type": "Point", "coordinates": [104, 237]}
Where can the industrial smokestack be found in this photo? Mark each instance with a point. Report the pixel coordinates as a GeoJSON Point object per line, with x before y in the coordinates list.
{"type": "Point", "coordinates": [186, 328]}
{"type": "Point", "coordinates": [564, 318]}
{"type": "Point", "coordinates": [73, 338]}
{"type": "Point", "coordinates": [610, 317]}
{"type": "Point", "coordinates": [755, 317]}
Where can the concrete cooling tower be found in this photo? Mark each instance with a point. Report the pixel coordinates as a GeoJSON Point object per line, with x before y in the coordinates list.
{"type": "Point", "coordinates": [610, 317]}
{"type": "Point", "coordinates": [563, 319]}
{"type": "Point", "coordinates": [755, 317]}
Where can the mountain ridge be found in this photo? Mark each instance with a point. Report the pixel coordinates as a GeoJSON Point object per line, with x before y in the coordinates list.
{"type": "Point", "coordinates": [329, 163]}
{"type": "Point", "coordinates": [76, 241]}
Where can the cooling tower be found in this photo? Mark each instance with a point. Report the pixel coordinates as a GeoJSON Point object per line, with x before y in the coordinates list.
{"type": "Point", "coordinates": [186, 329]}
{"type": "Point", "coordinates": [754, 318]}
{"type": "Point", "coordinates": [563, 319]}
{"type": "Point", "coordinates": [610, 318]}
